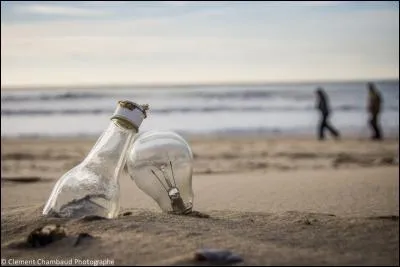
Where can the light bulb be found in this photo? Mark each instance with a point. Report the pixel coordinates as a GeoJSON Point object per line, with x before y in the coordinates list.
{"type": "Point", "coordinates": [92, 187]}
{"type": "Point", "coordinates": [161, 165]}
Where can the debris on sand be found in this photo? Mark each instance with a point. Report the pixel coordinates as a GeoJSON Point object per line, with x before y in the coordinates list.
{"type": "Point", "coordinates": [217, 256]}
{"type": "Point", "coordinates": [45, 235]}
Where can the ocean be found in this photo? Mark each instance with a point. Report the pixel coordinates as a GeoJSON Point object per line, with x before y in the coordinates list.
{"type": "Point", "coordinates": [275, 109]}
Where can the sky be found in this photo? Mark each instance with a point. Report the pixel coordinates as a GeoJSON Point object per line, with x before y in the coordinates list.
{"type": "Point", "coordinates": [170, 42]}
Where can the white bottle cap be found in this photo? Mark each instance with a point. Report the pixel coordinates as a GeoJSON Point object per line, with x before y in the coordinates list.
{"type": "Point", "coordinates": [131, 112]}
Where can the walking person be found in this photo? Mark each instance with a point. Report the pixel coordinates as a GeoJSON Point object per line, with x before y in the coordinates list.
{"type": "Point", "coordinates": [374, 110]}
{"type": "Point", "coordinates": [324, 108]}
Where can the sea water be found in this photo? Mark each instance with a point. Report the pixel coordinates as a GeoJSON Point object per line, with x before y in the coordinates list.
{"type": "Point", "coordinates": [224, 109]}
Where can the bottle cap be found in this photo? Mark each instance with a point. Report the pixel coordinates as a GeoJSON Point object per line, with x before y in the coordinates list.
{"type": "Point", "coordinates": [131, 112]}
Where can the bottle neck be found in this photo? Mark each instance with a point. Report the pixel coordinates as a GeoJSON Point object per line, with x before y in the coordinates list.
{"type": "Point", "coordinates": [108, 154]}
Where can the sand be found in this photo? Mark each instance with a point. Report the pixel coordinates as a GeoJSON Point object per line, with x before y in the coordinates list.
{"type": "Point", "coordinates": [273, 201]}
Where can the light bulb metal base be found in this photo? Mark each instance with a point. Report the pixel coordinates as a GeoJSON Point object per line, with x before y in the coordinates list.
{"type": "Point", "coordinates": [178, 206]}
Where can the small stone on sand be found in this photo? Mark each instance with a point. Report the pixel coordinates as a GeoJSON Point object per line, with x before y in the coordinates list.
{"type": "Point", "coordinates": [220, 256]}
{"type": "Point", "coordinates": [45, 235]}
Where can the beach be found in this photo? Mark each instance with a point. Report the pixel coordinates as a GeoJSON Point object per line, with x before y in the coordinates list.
{"type": "Point", "coordinates": [271, 200]}
{"type": "Point", "coordinates": [290, 110]}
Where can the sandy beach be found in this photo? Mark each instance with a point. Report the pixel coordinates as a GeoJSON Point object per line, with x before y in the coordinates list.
{"type": "Point", "coordinates": [273, 201]}
{"type": "Point", "coordinates": [291, 110]}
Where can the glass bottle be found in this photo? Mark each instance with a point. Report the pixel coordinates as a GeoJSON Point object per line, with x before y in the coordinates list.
{"type": "Point", "coordinates": [92, 187]}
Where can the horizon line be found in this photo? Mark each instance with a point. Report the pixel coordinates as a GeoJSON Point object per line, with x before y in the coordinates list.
{"type": "Point", "coordinates": [190, 84]}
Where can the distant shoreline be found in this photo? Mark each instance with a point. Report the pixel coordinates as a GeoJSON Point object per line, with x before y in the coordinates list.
{"type": "Point", "coordinates": [182, 85]}
{"type": "Point", "coordinates": [390, 135]}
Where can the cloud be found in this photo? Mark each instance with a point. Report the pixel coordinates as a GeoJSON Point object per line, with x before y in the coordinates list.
{"type": "Point", "coordinates": [192, 3]}
{"type": "Point", "coordinates": [106, 3]}
{"type": "Point", "coordinates": [51, 9]}
{"type": "Point", "coordinates": [326, 3]}
{"type": "Point", "coordinates": [311, 3]}
{"type": "Point", "coordinates": [177, 3]}
{"type": "Point", "coordinates": [321, 3]}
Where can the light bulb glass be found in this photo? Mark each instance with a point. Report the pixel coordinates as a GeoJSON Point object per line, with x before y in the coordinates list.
{"type": "Point", "coordinates": [161, 165]}
{"type": "Point", "coordinates": [92, 187]}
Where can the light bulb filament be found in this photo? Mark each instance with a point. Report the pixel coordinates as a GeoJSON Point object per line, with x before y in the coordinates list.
{"type": "Point", "coordinates": [158, 178]}
{"type": "Point", "coordinates": [172, 171]}
{"type": "Point", "coordinates": [172, 191]}
{"type": "Point", "coordinates": [166, 176]}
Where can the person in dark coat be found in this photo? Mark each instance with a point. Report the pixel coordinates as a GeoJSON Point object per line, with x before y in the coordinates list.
{"type": "Point", "coordinates": [324, 108]}
{"type": "Point", "coordinates": [374, 110]}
